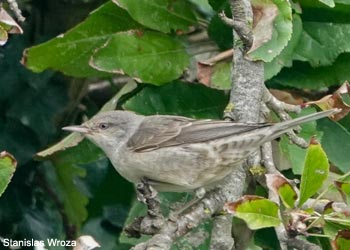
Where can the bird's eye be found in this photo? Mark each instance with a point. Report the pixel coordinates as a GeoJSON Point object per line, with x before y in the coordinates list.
{"type": "Point", "coordinates": [103, 126]}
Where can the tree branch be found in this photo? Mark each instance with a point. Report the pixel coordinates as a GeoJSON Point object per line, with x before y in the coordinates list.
{"type": "Point", "coordinates": [16, 10]}
{"type": "Point", "coordinates": [221, 236]}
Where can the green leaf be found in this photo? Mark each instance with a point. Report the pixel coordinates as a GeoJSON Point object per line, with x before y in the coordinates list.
{"type": "Point", "coordinates": [281, 31]}
{"type": "Point", "coordinates": [161, 15]}
{"type": "Point", "coordinates": [149, 56]}
{"type": "Point", "coordinates": [266, 238]}
{"type": "Point", "coordinates": [316, 169]}
{"type": "Point", "coordinates": [336, 152]}
{"type": "Point", "coordinates": [68, 172]}
{"type": "Point", "coordinates": [344, 189]}
{"type": "Point", "coordinates": [302, 75]}
{"type": "Point", "coordinates": [71, 52]}
{"type": "Point", "coordinates": [313, 10]}
{"type": "Point", "coordinates": [256, 211]}
{"type": "Point", "coordinates": [321, 43]}
{"type": "Point", "coordinates": [342, 240]}
{"type": "Point", "coordinates": [7, 168]}
{"type": "Point", "coordinates": [331, 229]}
{"type": "Point", "coordinates": [179, 98]}
{"type": "Point", "coordinates": [285, 58]}
{"type": "Point", "coordinates": [221, 78]}
{"type": "Point", "coordinates": [74, 201]}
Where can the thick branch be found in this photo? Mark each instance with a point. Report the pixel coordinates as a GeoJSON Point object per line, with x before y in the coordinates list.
{"type": "Point", "coordinates": [221, 236]}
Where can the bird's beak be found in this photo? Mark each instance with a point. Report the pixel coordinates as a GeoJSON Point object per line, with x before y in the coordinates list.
{"type": "Point", "coordinates": [79, 128]}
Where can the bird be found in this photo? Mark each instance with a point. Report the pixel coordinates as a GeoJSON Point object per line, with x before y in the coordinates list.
{"type": "Point", "coordinates": [179, 154]}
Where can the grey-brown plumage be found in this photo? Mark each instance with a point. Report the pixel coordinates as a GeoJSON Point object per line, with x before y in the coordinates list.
{"type": "Point", "coordinates": [178, 153]}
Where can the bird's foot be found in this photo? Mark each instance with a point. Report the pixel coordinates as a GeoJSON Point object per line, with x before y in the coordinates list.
{"type": "Point", "coordinates": [148, 195]}
{"type": "Point", "coordinates": [154, 220]}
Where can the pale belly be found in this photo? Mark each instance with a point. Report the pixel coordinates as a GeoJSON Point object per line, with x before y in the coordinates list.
{"type": "Point", "coordinates": [176, 170]}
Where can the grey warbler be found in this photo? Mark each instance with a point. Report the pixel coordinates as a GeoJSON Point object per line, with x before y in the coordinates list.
{"type": "Point", "coordinates": [177, 153]}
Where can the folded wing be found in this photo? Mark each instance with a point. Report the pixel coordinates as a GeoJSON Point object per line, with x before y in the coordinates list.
{"type": "Point", "coordinates": [166, 131]}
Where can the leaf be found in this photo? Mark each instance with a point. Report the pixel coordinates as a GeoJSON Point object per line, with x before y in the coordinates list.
{"type": "Point", "coordinates": [7, 168]}
{"type": "Point", "coordinates": [331, 229]}
{"type": "Point", "coordinates": [302, 75]}
{"type": "Point", "coordinates": [147, 56]}
{"type": "Point", "coordinates": [283, 188]}
{"type": "Point", "coordinates": [161, 15]}
{"type": "Point", "coordinates": [73, 200]}
{"type": "Point", "coordinates": [215, 76]}
{"type": "Point", "coordinates": [316, 169]}
{"type": "Point", "coordinates": [287, 97]}
{"type": "Point", "coordinates": [281, 33]}
{"type": "Point", "coordinates": [3, 36]}
{"type": "Point", "coordinates": [220, 33]}
{"type": "Point", "coordinates": [70, 141]}
{"type": "Point", "coordinates": [196, 101]}
{"type": "Point", "coordinates": [293, 154]}
{"type": "Point", "coordinates": [321, 43]}
{"type": "Point", "coordinates": [336, 100]}
{"type": "Point", "coordinates": [7, 23]}
{"type": "Point", "coordinates": [71, 52]}
{"type": "Point", "coordinates": [68, 174]}
{"type": "Point", "coordinates": [285, 58]}
{"type": "Point", "coordinates": [74, 138]}
{"type": "Point", "coordinates": [266, 238]}
{"type": "Point", "coordinates": [256, 211]}
{"type": "Point", "coordinates": [342, 240]}
{"type": "Point", "coordinates": [336, 152]}
{"type": "Point", "coordinates": [344, 189]}
{"type": "Point", "coordinates": [7, 26]}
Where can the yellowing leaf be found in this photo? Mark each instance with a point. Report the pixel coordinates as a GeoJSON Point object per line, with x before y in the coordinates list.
{"type": "Point", "coordinates": [336, 100]}
{"type": "Point", "coordinates": [283, 188]}
{"type": "Point", "coordinates": [257, 212]}
{"type": "Point", "coordinates": [7, 168]}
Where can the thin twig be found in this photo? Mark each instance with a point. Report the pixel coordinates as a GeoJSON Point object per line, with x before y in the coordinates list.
{"type": "Point", "coordinates": [16, 10]}
{"type": "Point", "coordinates": [281, 109]}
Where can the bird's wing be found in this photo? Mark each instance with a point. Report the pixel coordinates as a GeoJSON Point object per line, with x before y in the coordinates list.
{"type": "Point", "coordinates": [165, 131]}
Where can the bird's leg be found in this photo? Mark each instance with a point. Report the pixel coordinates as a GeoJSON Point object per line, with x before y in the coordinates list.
{"type": "Point", "coordinates": [154, 220]}
{"type": "Point", "coordinates": [148, 195]}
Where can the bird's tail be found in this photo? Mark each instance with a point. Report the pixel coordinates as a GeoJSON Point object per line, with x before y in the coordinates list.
{"type": "Point", "coordinates": [282, 127]}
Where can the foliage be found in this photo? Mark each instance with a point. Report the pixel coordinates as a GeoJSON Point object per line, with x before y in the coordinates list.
{"type": "Point", "coordinates": [71, 189]}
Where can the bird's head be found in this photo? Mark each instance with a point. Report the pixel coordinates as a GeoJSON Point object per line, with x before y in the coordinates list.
{"type": "Point", "coordinates": [109, 130]}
